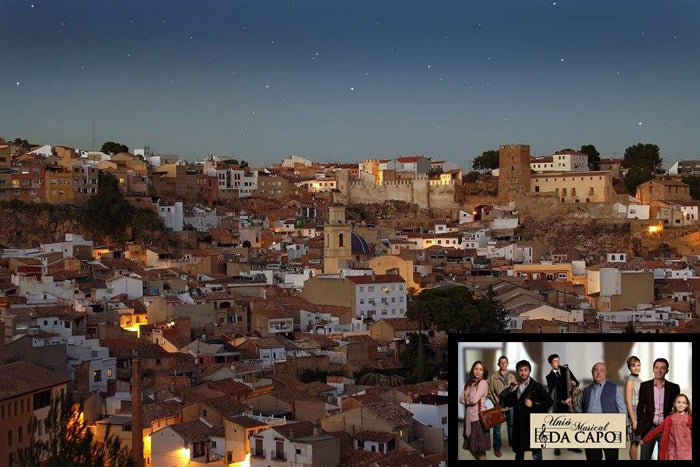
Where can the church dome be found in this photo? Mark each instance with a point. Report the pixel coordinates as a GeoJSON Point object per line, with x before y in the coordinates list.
{"type": "Point", "coordinates": [359, 245]}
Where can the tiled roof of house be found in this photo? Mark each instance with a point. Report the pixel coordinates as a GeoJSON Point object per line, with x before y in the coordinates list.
{"type": "Point", "coordinates": [226, 406]}
{"type": "Point", "coordinates": [246, 421]}
{"type": "Point", "coordinates": [400, 324]}
{"type": "Point", "coordinates": [382, 436]}
{"type": "Point", "coordinates": [22, 377]}
{"type": "Point", "coordinates": [123, 348]}
{"type": "Point", "coordinates": [426, 387]}
{"type": "Point", "coordinates": [160, 410]}
{"type": "Point", "coordinates": [295, 430]}
{"type": "Point", "coordinates": [195, 431]}
{"type": "Point", "coordinates": [230, 386]}
{"type": "Point", "coordinates": [408, 159]}
{"type": "Point", "coordinates": [408, 458]}
{"type": "Point", "coordinates": [390, 412]}
{"type": "Point", "coordinates": [317, 387]}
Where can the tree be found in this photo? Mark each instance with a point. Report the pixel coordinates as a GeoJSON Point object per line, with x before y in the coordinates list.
{"type": "Point", "coordinates": [488, 160]}
{"type": "Point", "coordinates": [107, 213]}
{"type": "Point", "coordinates": [22, 143]}
{"type": "Point", "coordinates": [644, 156]}
{"type": "Point", "coordinates": [635, 177]}
{"type": "Point", "coordinates": [694, 183]}
{"type": "Point", "coordinates": [496, 311]}
{"type": "Point", "coordinates": [70, 442]}
{"type": "Point", "coordinates": [415, 356]}
{"type": "Point", "coordinates": [593, 156]}
{"type": "Point", "coordinates": [629, 329]}
{"type": "Point", "coordinates": [471, 177]}
{"type": "Point", "coordinates": [450, 309]}
{"type": "Point", "coordinates": [110, 147]}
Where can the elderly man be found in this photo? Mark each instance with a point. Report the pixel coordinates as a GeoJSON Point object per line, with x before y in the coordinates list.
{"type": "Point", "coordinates": [603, 396]}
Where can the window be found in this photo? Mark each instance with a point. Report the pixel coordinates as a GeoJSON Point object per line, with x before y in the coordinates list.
{"type": "Point", "coordinates": [9, 437]}
{"type": "Point", "coordinates": [213, 444]}
{"type": "Point", "coordinates": [96, 376]}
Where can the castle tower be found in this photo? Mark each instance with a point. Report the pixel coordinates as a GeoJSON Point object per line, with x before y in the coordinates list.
{"type": "Point", "coordinates": [513, 171]}
{"type": "Point", "coordinates": [337, 241]}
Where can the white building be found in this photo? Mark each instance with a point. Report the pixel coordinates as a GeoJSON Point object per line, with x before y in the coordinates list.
{"type": "Point", "coordinates": [101, 367]}
{"type": "Point", "coordinates": [202, 219]}
{"type": "Point", "coordinates": [190, 443]}
{"type": "Point", "coordinates": [173, 216]}
{"type": "Point", "coordinates": [380, 295]}
{"type": "Point", "coordinates": [566, 160]}
{"type": "Point", "coordinates": [131, 285]}
{"type": "Point", "coordinates": [67, 247]}
{"type": "Point", "coordinates": [294, 444]}
{"type": "Point", "coordinates": [434, 414]}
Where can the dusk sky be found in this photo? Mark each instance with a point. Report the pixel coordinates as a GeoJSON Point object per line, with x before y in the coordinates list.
{"type": "Point", "coordinates": [337, 80]}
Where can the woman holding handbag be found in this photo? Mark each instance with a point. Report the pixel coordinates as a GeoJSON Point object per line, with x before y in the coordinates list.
{"type": "Point", "coordinates": [476, 440]}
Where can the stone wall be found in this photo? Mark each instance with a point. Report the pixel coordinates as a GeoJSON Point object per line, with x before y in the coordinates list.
{"type": "Point", "coordinates": [416, 191]}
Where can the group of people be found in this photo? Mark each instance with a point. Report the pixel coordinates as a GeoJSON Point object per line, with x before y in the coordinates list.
{"type": "Point", "coordinates": [657, 412]}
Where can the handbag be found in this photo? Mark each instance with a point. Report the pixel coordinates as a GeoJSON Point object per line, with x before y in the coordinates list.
{"type": "Point", "coordinates": [489, 418]}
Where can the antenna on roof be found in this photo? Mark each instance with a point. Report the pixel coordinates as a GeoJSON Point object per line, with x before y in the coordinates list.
{"type": "Point", "coordinates": [93, 134]}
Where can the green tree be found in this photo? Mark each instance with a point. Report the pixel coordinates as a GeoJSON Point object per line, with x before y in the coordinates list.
{"type": "Point", "coordinates": [629, 329]}
{"type": "Point", "coordinates": [644, 156]}
{"type": "Point", "coordinates": [494, 309]}
{"type": "Point", "coordinates": [70, 442]}
{"type": "Point", "coordinates": [110, 147]}
{"type": "Point", "coordinates": [593, 156]}
{"type": "Point", "coordinates": [242, 164]}
{"type": "Point", "coordinates": [450, 309]}
{"type": "Point", "coordinates": [107, 213]}
{"type": "Point", "coordinates": [694, 183]}
{"type": "Point", "coordinates": [488, 160]}
{"type": "Point", "coordinates": [635, 177]}
{"type": "Point", "coordinates": [415, 356]}
{"type": "Point", "coordinates": [471, 177]}
{"type": "Point", "coordinates": [22, 143]}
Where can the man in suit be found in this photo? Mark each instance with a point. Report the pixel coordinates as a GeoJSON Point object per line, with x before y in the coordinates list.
{"type": "Point", "coordinates": [526, 397]}
{"type": "Point", "coordinates": [558, 390]}
{"type": "Point", "coordinates": [602, 396]}
{"type": "Point", "coordinates": [656, 398]}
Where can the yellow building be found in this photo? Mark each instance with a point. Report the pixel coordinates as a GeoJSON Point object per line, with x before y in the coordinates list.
{"type": "Point", "coordinates": [578, 187]}
{"type": "Point", "coordinates": [59, 185]}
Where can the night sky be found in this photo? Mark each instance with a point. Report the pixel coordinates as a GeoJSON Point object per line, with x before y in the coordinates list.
{"type": "Point", "coordinates": [336, 80]}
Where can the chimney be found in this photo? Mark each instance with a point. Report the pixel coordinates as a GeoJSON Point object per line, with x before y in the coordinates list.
{"type": "Point", "coordinates": [291, 435]}
{"type": "Point", "coordinates": [136, 414]}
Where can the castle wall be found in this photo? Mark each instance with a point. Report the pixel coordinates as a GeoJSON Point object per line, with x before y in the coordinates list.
{"type": "Point", "coordinates": [418, 191]}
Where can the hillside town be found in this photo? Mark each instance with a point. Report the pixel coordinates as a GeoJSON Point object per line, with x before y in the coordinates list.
{"type": "Point", "coordinates": [273, 321]}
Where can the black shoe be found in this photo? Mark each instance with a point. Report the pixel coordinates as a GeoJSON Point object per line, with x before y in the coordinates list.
{"type": "Point", "coordinates": [574, 450]}
{"type": "Point", "coordinates": [557, 452]}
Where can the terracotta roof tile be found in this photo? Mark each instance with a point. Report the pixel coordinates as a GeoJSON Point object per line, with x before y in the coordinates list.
{"type": "Point", "coordinates": [195, 431]}
{"type": "Point", "coordinates": [22, 377]}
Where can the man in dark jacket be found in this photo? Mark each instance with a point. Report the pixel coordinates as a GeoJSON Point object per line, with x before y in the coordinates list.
{"type": "Point", "coordinates": [525, 397]}
{"type": "Point", "coordinates": [649, 413]}
{"type": "Point", "coordinates": [558, 389]}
